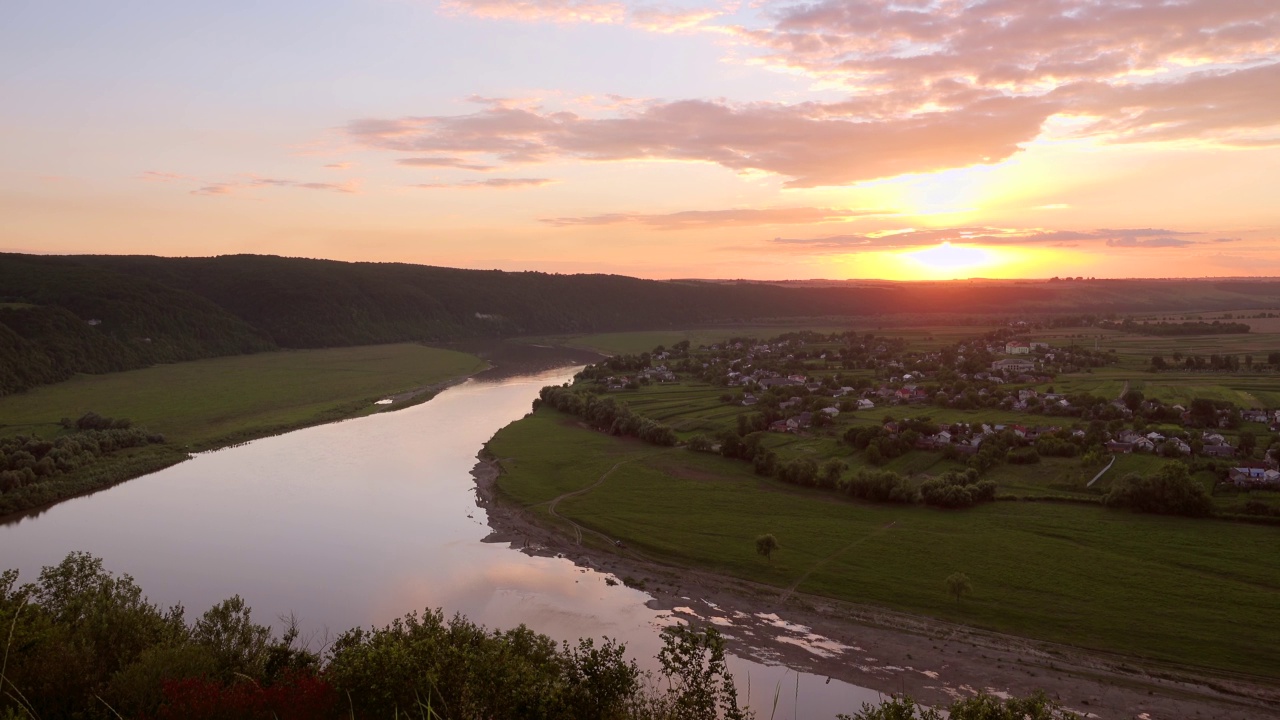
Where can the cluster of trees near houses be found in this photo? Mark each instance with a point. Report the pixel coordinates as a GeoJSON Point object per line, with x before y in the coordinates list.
{"type": "Point", "coordinates": [605, 413]}
{"type": "Point", "coordinates": [26, 460]}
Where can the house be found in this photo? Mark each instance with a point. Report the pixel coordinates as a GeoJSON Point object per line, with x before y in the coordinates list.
{"type": "Point", "coordinates": [1249, 477]}
{"type": "Point", "coordinates": [1218, 451]}
{"type": "Point", "coordinates": [778, 426]}
{"type": "Point", "coordinates": [830, 412]}
{"type": "Point", "coordinates": [1119, 447]}
{"type": "Point", "coordinates": [1258, 416]}
{"type": "Point", "coordinates": [749, 399]}
{"type": "Point", "coordinates": [1144, 445]}
{"type": "Point", "coordinates": [1017, 347]}
{"type": "Point", "coordinates": [1017, 366]}
{"type": "Point", "coordinates": [1039, 346]}
{"type": "Point", "coordinates": [866, 405]}
{"type": "Point", "coordinates": [1214, 439]}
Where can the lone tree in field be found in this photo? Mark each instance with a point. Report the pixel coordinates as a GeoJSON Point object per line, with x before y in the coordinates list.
{"type": "Point", "coordinates": [765, 545]}
{"type": "Point", "coordinates": [958, 585]}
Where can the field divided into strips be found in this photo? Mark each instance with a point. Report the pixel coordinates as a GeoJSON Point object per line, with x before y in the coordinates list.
{"type": "Point", "coordinates": [924, 337]}
{"type": "Point", "coordinates": [1203, 593]}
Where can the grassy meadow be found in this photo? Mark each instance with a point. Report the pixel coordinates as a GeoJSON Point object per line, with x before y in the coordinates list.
{"type": "Point", "coordinates": [1203, 593]}
{"type": "Point", "coordinates": [211, 403]}
{"type": "Point", "coordinates": [202, 403]}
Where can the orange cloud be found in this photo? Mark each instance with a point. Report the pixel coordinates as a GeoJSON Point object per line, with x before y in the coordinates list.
{"type": "Point", "coordinates": [501, 183]}
{"type": "Point", "coordinates": [702, 219]}
{"type": "Point", "coordinates": [251, 182]}
{"type": "Point", "coordinates": [988, 236]}
{"type": "Point", "coordinates": [811, 143]}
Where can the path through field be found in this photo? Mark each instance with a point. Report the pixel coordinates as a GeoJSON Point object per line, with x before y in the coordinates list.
{"type": "Point", "coordinates": [879, 531]}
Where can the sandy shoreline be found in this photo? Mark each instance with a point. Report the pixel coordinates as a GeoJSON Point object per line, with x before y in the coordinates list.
{"type": "Point", "coordinates": [887, 651]}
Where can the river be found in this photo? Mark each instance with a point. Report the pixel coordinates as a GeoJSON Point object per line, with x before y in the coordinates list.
{"type": "Point", "coordinates": [360, 522]}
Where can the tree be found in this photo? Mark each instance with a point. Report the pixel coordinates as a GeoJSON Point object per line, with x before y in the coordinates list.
{"type": "Point", "coordinates": [765, 545]}
{"type": "Point", "coordinates": [958, 585]}
{"type": "Point", "coordinates": [1133, 399]}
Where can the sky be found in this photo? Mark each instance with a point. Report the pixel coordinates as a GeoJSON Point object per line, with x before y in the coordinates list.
{"type": "Point", "coordinates": [767, 139]}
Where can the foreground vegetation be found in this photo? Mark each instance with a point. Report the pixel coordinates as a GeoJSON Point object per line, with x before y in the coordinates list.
{"type": "Point", "coordinates": [81, 642]}
{"type": "Point", "coordinates": [167, 411]}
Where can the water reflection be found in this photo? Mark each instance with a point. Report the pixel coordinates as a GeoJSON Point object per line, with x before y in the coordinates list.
{"type": "Point", "coordinates": [357, 523]}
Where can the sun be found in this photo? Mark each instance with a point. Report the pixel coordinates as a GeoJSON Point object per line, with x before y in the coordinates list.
{"type": "Point", "coordinates": [947, 260]}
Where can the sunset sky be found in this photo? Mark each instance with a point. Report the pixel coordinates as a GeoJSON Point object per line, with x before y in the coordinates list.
{"type": "Point", "coordinates": [759, 139]}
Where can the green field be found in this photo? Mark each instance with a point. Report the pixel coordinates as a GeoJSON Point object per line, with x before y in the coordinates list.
{"type": "Point", "coordinates": [1203, 593]}
{"type": "Point", "coordinates": [204, 402]}
{"type": "Point", "coordinates": [211, 403]}
{"type": "Point", "coordinates": [621, 343]}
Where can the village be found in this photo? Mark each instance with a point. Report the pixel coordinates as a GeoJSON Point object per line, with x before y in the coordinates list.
{"type": "Point", "coordinates": [884, 394]}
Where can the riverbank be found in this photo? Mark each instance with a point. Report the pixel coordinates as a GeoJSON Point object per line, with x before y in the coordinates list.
{"type": "Point", "coordinates": [888, 651]}
{"type": "Point", "coordinates": [213, 404]}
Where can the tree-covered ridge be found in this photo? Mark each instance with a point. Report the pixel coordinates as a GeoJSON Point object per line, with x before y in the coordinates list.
{"type": "Point", "coordinates": [62, 319]}
{"type": "Point", "coordinates": [148, 309]}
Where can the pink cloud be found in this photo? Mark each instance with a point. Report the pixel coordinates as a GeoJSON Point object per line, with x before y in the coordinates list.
{"type": "Point", "coordinates": [701, 219]}
{"type": "Point", "coordinates": [445, 162]}
{"type": "Point", "coordinates": [560, 11]}
{"type": "Point", "coordinates": [933, 85]}
{"type": "Point", "coordinates": [500, 183]}
{"type": "Point", "coordinates": [808, 142]}
{"type": "Point", "coordinates": [252, 182]}
{"type": "Point", "coordinates": [165, 177]}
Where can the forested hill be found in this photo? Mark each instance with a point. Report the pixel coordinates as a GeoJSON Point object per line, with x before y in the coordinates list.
{"type": "Point", "coordinates": [59, 317]}
{"type": "Point", "coordinates": [155, 309]}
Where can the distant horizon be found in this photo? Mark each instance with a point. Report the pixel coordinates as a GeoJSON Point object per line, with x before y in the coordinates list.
{"type": "Point", "coordinates": [709, 279]}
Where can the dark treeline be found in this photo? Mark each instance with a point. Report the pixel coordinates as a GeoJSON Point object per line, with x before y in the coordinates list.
{"type": "Point", "coordinates": [35, 471]}
{"type": "Point", "coordinates": [605, 413]}
{"type": "Point", "coordinates": [1171, 329]}
{"type": "Point", "coordinates": [152, 309]}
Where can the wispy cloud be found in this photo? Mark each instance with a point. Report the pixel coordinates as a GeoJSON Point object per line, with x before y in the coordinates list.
{"type": "Point", "coordinates": [251, 182]}
{"type": "Point", "coordinates": [702, 219]}
{"type": "Point", "coordinates": [443, 162]}
{"type": "Point", "coordinates": [164, 177]}
{"type": "Point", "coordinates": [500, 183]}
{"type": "Point", "coordinates": [1160, 242]}
{"type": "Point", "coordinates": [991, 236]}
{"type": "Point", "coordinates": [558, 11]}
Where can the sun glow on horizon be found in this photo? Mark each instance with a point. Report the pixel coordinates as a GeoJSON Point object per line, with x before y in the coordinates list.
{"type": "Point", "coordinates": [951, 261]}
{"type": "Point", "coordinates": [959, 261]}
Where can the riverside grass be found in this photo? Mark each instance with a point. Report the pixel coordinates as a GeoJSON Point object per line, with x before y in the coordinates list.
{"type": "Point", "coordinates": [207, 404]}
{"type": "Point", "coordinates": [1200, 593]}
{"type": "Point", "coordinates": [199, 403]}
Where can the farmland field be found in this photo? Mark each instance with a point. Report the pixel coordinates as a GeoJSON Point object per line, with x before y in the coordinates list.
{"type": "Point", "coordinates": [200, 403]}
{"type": "Point", "coordinates": [1202, 593]}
